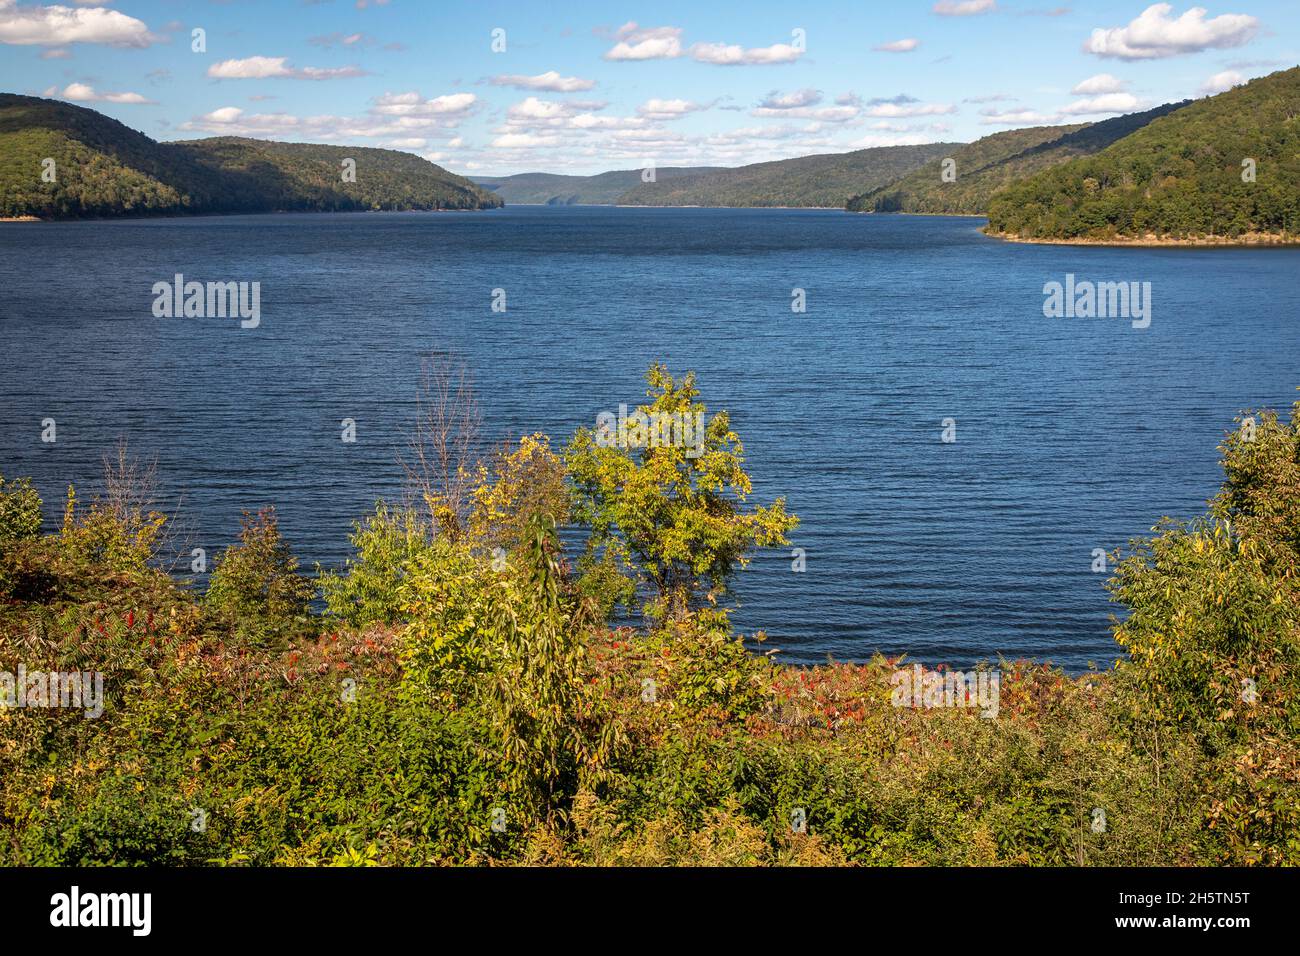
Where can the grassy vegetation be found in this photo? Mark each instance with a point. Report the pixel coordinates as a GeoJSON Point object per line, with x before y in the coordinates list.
{"type": "Point", "coordinates": [994, 162]}
{"type": "Point", "coordinates": [465, 700]}
{"type": "Point", "coordinates": [1181, 176]}
{"type": "Point", "coordinates": [103, 168]}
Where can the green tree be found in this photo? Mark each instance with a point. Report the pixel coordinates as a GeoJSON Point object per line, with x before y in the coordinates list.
{"type": "Point", "coordinates": [671, 508]}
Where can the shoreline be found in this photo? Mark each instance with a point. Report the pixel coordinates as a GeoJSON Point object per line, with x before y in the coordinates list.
{"type": "Point", "coordinates": [926, 215]}
{"type": "Point", "coordinates": [631, 205]}
{"type": "Point", "coordinates": [1152, 241]}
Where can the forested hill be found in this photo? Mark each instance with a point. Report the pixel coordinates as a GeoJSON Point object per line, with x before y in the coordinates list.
{"type": "Point", "coordinates": [1226, 167]}
{"type": "Point", "coordinates": [989, 164]}
{"type": "Point", "coordinates": [306, 176]}
{"type": "Point", "coordinates": [104, 168]}
{"type": "Point", "coordinates": [827, 180]}
{"type": "Point", "coordinates": [555, 189]}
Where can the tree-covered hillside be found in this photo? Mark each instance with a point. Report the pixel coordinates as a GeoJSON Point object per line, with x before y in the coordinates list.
{"type": "Point", "coordinates": [554, 189]}
{"type": "Point", "coordinates": [825, 180]}
{"type": "Point", "coordinates": [307, 176]}
{"type": "Point", "coordinates": [1226, 166]}
{"type": "Point", "coordinates": [991, 163]}
{"type": "Point", "coordinates": [103, 168]}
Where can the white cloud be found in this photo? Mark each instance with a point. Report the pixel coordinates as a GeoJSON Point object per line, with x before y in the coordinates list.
{"type": "Point", "coordinates": [84, 93]}
{"type": "Point", "coordinates": [877, 140]}
{"type": "Point", "coordinates": [550, 81]}
{"type": "Point", "coordinates": [788, 101]}
{"type": "Point", "coordinates": [647, 136]}
{"type": "Point", "coordinates": [964, 8]}
{"type": "Point", "coordinates": [524, 141]}
{"type": "Point", "coordinates": [250, 68]}
{"type": "Point", "coordinates": [266, 67]}
{"type": "Point", "coordinates": [1107, 104]}
{"type": "Point", "coordinates": [895, 110]}
{"type": "Point", "coordinates": [659, 43]}
{"type": "Point", "coordinates": [898, 46]}
{"type": "Point", "coordinates": [57, 25]}
{"type": "Point", "coordinates": [786, 131]}
{"type": "Point", "coordinates": [1154, 34]}
{"type": "Point", "coordinates": [395, 116]}
{"type": "Point", "coordinates": [827, 114]}
{"type": "Point", "coordinates": [1021, 117]}
{"type": "Point", "coordinates": [226, 114]}
{"type": "Point", "coordinates": [412, 104]}
{"type": "Point", "coordinates": [552, 116]}
{"type": "Point", "coordinates": [730, 54]}
{"type": "Point", "coordinates": [649, 43]}
{"type": "Point", "coordinates": [1222, 82]}
{"type": "Point", "coordinates": [1104, 104]}
{"type": "Point", "coordinates": [657, 109]}
{"type": "Point", "coordinates": [589, 121]}
{"type": "Point", "coordinates": [534, 109]}
{"type": "Point", "coordinates": [1101, 83]}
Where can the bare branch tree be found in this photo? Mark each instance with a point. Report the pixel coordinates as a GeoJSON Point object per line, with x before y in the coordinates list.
{"type": "Point", "coordinates": [131, 495]}
{"type": "Point", "coordinates": [443, 455]}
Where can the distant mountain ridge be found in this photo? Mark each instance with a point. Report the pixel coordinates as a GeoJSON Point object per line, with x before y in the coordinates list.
{"type": "Point", "coordinates": [104, 168]}
{"type": "Point", "coordinates": [824, 180]}
{"type": "Point", "coordinates": [555, 189]}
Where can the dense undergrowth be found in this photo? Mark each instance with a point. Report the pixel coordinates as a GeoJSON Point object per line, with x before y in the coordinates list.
{"type": "Point", "coordinates": [465, 699]}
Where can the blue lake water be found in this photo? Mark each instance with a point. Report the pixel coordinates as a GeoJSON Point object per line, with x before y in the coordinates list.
{"type": "Point", "coordinates": [1072, 434]}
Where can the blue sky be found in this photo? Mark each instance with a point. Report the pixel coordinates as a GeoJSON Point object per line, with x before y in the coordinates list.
{"type": "Point", "coordinates": [582, 87]}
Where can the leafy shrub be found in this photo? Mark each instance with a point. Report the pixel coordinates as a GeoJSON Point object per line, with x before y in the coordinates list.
{"type": "Point", "coordinates": [255, 585]}
{"type": "Point", "coordinates": [513, 488]}
{"type": "Point", "coordinates": [370, 588]}
{"type": "Point", "coordinates": [450, 602]}
{"type": "Point", "coordinates": [1214, 645]}
{"type": "Point", "coordinates": [20, 511]}
{"type": "Point", "coordinates": [110, 536]}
